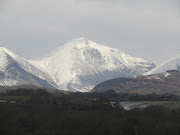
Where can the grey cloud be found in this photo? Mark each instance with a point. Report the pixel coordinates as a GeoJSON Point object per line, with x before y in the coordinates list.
{"type": "Point", "coordinates": [2, 2]}
{"type": "Point", "coordinates": [139, 27]}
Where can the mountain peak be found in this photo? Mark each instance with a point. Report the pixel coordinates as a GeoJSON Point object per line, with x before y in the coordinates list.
{"type": "Point", "coordinates": [79, 42]}
{"type": "Point", "coordinates": [5, 57]}
{"type": "Point", "coordinates": [80, 39]}
{"type": "Point", "coordinates": [5, 51]}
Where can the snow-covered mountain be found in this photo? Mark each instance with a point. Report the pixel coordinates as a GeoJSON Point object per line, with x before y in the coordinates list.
{"type": "Point", "coordinates": [171, 64]}
{"type": "Point", "coordinates": [15, 70]}
{"type": "Point", "coordinates": [81, 64]}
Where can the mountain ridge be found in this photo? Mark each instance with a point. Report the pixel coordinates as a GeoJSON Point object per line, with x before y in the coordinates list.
{"type": "Point", "coordinates": [15, 70]}
{"type": "Point", "coordinates": [171, 64]}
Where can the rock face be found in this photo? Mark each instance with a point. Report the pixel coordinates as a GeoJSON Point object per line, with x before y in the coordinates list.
{"type": "Point", "coordinates": [15, 70]}
{"type": "Point", "coordinates": [168, 82]}
{"type": "Point", "coordinates": [81, 64]}
{"type": "Point", "coordinates": [171, 64]}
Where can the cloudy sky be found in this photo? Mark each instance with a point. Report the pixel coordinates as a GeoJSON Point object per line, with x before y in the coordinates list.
{"type": "Point", "coordinates": [149, 29]}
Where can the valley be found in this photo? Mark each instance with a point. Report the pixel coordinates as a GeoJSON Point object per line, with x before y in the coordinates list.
{"type": "Point", "coordinates": [40, 112]}
{"type": "Point", "coordinates": [87, 88]}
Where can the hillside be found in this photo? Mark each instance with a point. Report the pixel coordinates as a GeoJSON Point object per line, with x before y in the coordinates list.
{"type": "Point", "coordinates": [168, 82]}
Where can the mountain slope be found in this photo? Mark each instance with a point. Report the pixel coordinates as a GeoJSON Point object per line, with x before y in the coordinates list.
{"type": "Point", "coordinates": [171, 64]}
{"type": "Point", "coordinates": [81, 64]}
{"type": "Point", "coordinates": [167, 82]}
{"type": "Point", "coordinates": [15, 70]}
